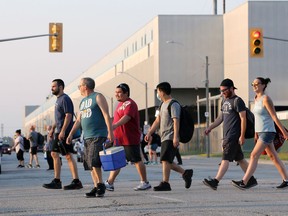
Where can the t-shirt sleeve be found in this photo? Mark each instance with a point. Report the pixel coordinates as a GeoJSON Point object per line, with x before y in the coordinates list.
{"type": "Point", "coordinates": [175, 110]}
{"type": "Point", "coordinates": [240, 105]}
{"type": "Point", "coordinates": [67, 106]}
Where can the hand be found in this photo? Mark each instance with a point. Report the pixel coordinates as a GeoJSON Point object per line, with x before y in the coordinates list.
{"type": "Point", "coordinates": [207, 131]}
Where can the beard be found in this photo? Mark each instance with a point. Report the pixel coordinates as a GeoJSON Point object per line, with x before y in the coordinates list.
{"type": "Point", "coordinates": [56, 92]}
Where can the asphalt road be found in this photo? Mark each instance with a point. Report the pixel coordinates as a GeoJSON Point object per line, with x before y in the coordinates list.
{"type": "Point", "coordinates": [21, 192]}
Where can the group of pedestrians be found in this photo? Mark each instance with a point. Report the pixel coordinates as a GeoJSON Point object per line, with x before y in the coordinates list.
{"type": "Point", "coordinates": [233, 116]}
{"type": "Point", "coordinates": [98, 128]}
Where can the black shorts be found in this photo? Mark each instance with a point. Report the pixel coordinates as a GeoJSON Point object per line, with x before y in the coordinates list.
{"type": "Point", "coordinates": [132, 153]}
{"type": "Point", "coordinates": [33, 150]}
{"type": "Point", "coordinates": [20, 155]}
{"type": "Point", "coordinates": [55, 147]}
{"type": "Point", "coordinates": [232, 150]}
{"type": "Point", "coordinates": [92, 148]}
{"type": "Point", "coordinates": [168, 151]}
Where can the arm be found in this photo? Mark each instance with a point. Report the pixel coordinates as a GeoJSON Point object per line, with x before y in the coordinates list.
{"type": "Point", "coordinates": [68, 118]}
{"type": "Point", "coordinates": [102, 103]}
{"type": "Point", "coordinates": [215, 124]}
{"type": "Point", "coordinates": [152, 129]}
{"type": "Point", "coordinates": [268, 104]}
{"type": "Point", "coordinates": [243, 127]}
{"type": "Point", "coordinates": [122, 121]}
{"type": "Point", "coordinates": [75, 127]}
{"type": "Point", "coordinates": [176, 126]}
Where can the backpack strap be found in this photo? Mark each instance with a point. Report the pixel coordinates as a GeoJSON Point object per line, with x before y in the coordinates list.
{"type": "Point", "coordinates": [170, 104]}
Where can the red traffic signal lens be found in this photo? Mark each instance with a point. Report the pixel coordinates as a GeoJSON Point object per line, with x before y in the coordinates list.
{"type": "Point", "coordinates": [256, 34]}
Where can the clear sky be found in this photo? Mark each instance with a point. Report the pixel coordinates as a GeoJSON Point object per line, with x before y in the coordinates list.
{"type": "Point", "coordinates": [91, 29]}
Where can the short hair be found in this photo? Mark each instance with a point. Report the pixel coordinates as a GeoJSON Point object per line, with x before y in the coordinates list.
{"type": "Point", "coordinates": [164, 87]}
{"type": "Point", "coordinates": [60, 82]}
{"type": "Point", "coordinates": [89, 82]}
{"type": "Point", "coordinates": [125, 88]}
{"type": "Point", "coordinates": [18, 131]}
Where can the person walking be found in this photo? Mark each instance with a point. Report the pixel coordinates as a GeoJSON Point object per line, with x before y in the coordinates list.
{"type": "Point", "coordinates": [19, 148]}
{"type": "Point", "coordinates": [126, 126]}
{"type": "Point", "coordinates": [48, 148]}
{"type": "Point", "coordinates": [234, 127]}
{"type": "Point", "coordinates": [265, 118]}
{"type": "Point", "coordinates": [64, 111]}
{"type": "Point", "coordinates": [96, 125]}
{"type": "Point", "coordinates": [169, 133]}
{"type": "Point", "coordinates": [33, 138]}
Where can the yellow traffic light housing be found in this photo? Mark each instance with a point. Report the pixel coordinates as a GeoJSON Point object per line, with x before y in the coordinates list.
{"type": "Point", "coordinates": [256, 42]}
{"type": "Point", "coordinates": [55, 37]}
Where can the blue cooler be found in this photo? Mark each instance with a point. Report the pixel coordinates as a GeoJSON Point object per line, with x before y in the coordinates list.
{"type": "Point", "coordinates": [113, 158]}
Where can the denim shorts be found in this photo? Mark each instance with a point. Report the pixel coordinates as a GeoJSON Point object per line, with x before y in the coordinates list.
{"type": "Point", "coordinates": [266, 137]}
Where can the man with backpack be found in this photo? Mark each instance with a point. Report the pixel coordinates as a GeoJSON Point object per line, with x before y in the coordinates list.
{"type": "Point", "coordinates": [233, 116]}
{"type": "Point", "coordinates": [169, 132]}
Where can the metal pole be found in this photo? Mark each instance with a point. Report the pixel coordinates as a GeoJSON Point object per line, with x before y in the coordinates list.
{"type": "Point", "coordinates": [207, 108]}
{"type": "Point", "coordinates": [27, 37]}
{"type": "Point", "coordinates": [146, 103]}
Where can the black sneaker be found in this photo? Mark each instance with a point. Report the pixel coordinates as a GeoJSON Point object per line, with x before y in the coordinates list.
{"type": "Point", "coordinates": [187, 176]}
{"type": "Point", "coordinates": [240, 184]}
{"type": "Point", "coordinates": [211, 183]}
{"type": "Point", "coordinates": [100, 190]}
{"type": "Point", "coordinates": [92, 193]}
{"type": "Point", "coordinates": [74, 185]}
{"type": "Point", "coordinates": [163, 186]}
{"type": "Point", "coordinates": [53, 185]}
{"type": "Point", "coordinates": [251, 183]}
{"type": "Point", "coordinates": [283, 185]}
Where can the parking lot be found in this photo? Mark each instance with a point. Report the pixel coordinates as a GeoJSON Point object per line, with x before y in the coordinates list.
{"type": "Point", "coordinates": [21, 192]}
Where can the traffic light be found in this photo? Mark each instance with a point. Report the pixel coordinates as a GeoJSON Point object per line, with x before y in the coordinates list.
{"type": "Point", "coordinates": [256, 42]}
{"type": "Point", "coordinates": [55, 37]}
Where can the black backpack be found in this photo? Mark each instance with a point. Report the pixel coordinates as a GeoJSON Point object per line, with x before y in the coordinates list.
{"type": "Point", "coordinates": [26, 143]}
{"type": "Point", "coordinates": [40, 139]}
{"type": "Point", "coordinates": [186, 128]}
{"type": "Point", "coordinates": [250, 121]}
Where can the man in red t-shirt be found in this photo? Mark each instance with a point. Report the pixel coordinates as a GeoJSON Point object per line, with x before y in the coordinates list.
{"type": "Point", "coordinates": [126, 126]}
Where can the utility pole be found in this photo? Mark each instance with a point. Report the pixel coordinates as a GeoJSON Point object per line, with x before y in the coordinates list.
{"type": "Point", "coordinates": [207, 141]}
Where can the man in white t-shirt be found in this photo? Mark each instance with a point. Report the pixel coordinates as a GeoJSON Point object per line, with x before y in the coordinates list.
{"type": "Point", "coordinates": [19, 148]}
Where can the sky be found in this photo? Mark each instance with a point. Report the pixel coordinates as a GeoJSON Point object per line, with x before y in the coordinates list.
{"type": "Point", "coordinates": [91, 29]}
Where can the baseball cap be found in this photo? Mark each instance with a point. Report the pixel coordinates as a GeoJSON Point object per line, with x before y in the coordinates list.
{"type": "Point", "coordinates": [228, 83]}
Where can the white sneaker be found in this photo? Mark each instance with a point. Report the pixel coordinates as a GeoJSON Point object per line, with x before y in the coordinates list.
{"type": "Point", "coordinates": [109, 187]}
{"type": "Point", "coordinates": [143, 186]}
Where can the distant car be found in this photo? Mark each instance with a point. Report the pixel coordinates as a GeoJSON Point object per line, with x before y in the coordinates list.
{"type": "Point", "coordinates": [6, 149]}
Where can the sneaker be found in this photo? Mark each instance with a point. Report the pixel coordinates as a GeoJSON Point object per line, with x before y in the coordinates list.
{"type": "Point", "coordinates": [92, 193]}
{"type": "Point", "coordinates": [109, 187]}
{"type": "Point", "coordinates": [283, 185]}
{"type": "Point", "coordinates": [143, 186]}
{"type": "Point", "coordinates": [19, 166]}
{"type": "Point", "coordinates": [100, 190]}
{"type": "Point", "coordinates": [240, 184]}
{"type": "Point", "coordinates": [211, 183]}
{"type": "Point", "coordinates": [163, 186]}
{"type": "Point", "coordinates": [74, 185]}
{"type": "Point", "coordinates": [155, 163]}
{"type": "Point", "coordinates": [187, 176]}
{"type": "Point", "coordinates": [53, 185]}
{"type": "Point", "coordinates": [146, 162]}
{"type": "Point", "coordinates": [29, 166]}
{"type": "Point", "coordinates": [37, 166]}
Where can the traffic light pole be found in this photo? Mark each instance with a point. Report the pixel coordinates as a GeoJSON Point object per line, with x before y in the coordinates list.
{"type": "Point", "coordinates": [27, 37]}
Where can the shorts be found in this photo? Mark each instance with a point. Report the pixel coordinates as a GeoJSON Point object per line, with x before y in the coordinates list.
{"type": "Point", "coordinates": [232, 150]}
{"type": "Point", "coordinates": [91, 152]}
{"type": "Point", "coordinates": [55, 147]}
{"type": "Point", "coordinates": [20, 155]}
{"type": "Point", "coordinates": [266, 137]}
{"type": "Point", "coordinates": [168, 151]}
{"type": "Point", "coordinates": [153, 147]}
{"type": "Point", "coordinates": [33, 150]}
{"type": "Point", "coordinates": [132, 153]}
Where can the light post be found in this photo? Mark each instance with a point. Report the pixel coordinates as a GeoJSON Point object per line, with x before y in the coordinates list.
{"type": "Point", "coordinates": [207, 141]}
{"type": "Point", "coordinates": [146, 95]}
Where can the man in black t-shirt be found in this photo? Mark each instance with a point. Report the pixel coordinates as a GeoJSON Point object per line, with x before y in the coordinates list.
{"type": "Point", "coordinates": [233, 116]}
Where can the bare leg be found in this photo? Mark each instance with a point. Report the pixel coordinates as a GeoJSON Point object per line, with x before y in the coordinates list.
{"type": "Point", "coordinates": [57, 164]}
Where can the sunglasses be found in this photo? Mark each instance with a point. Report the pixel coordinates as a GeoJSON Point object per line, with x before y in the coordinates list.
{"type": "Point", "coordinates": [255, 84]}
{"type": "Point", "coordinates": [223, 90]}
